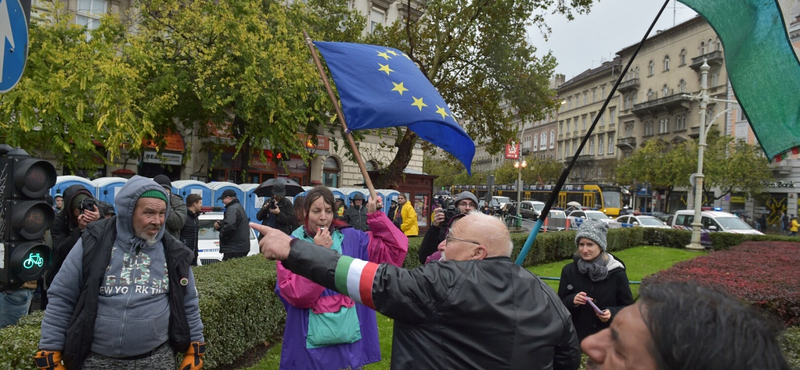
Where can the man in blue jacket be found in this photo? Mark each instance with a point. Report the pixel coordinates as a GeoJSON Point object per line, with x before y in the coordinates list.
{"type": "Point", "coordinates": [125, 296]}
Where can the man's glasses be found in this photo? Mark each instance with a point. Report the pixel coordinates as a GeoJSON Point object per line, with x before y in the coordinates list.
{"type": "Point", "coordinates": [449, 238]}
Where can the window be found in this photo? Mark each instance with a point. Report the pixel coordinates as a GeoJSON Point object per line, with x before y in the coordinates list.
{"type": "Point", "coordinates": [650, 68]}
{"type": "Point", "coordinates": [376, 17]}
{"type": "Point", "coordinates": [702, 48]}
{"type": "Point", "coordinates": [663, 126]}
{"type": "Point", "coordinates": [561, 127]}
{"type": "Point", "coordinates": [611, 143]}
{"type": "Point", "coordinates": [600, 145]}
{"type": "Point", "coordinates": [628, 129]}
{"type": "Point", "coordinates": [594, 95]}
{"type": "Point", "coordinates": [680, 122]}
{"type": "Point", "coordinates": [682, 57]}
{"type": "Point", "coordinates": [590, 144]}
{"type": "Point", "coordinates": [330, 176]}
{"type": "Point", "coordinates": [714, 78]}
{"type": "Point", "coordinates": [567, 128]}
{"type": "Point", "coordinates": [603, 92]}
{"type": "Point", "coordinates": [628, 102]}
{"type": "Point", "coordinates": [535, 143]}
{"type": "Point", "coordinates": [552, 139]}
{"type": "Point", "coordinates": [591, 119]}
{"type": "Point", "coordinates": [575, 120]}
{"type": "Point", "coordinates": [612, 116]}
{"type": "Point", "coordinates": [717, 46]}
{"type": "Point", "coordinates": [602, 120]}
{"type": "Point", "coordinates": [89, 13]}
{"type": "Point", "coordinates": [648, 128]}
{"type": "Point", "coordinates": [666, 63]}
{"type": "Point", "coordinates": [543, 140]}
{"type": "Point", "coordinates": [584, 121]}
{"type": "Point", "coordinates": [569, 103]}
{"type": "Point", "coordinates": [682, 86]}
{"type": "Point", "coordinates": [585, 98]}
{"type": "Point", "coordinates": [650, 94]}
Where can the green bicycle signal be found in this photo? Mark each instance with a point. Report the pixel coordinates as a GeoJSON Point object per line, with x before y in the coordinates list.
{"type": "Point", "coordinates": [33, 259]}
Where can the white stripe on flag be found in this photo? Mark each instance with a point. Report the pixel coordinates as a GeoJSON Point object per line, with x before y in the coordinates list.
{"type": "Point", "coordinates": [354, 279]}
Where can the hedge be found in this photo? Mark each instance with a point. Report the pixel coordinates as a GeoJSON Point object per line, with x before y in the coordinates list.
{"type": "Point", "coordinates": [240, 310]}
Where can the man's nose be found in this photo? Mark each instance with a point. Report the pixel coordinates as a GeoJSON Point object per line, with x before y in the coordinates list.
{"type": "Point", "coordinates": [596, 345]}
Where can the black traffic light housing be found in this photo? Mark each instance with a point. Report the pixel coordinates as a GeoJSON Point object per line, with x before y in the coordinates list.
{"type": "Point", "coordinates": [25, 216]}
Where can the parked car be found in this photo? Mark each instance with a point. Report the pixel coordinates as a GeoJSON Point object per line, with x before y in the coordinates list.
{"type": "Point", "coordinates": [208, 239]}
{"type": "Point", "coordinates": [531, 209]}
{"type": "Point", "coordinates": [556, 221]}
{"type": "Point", "coordinates": [640, 221]}
{"type": "Point", "coordinates": [576, 218]}
{"type": "Point", "coordinates": [712, 221]}
{"type": "Point", "coordinates": [494, 205]}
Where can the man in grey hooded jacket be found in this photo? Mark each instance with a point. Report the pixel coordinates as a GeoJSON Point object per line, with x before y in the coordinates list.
{"type": "Point", "coordinates": [145, 305]}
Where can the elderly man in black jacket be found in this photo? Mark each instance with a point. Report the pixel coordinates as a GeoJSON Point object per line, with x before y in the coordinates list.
{"type": "Point", "coordinates": [234, 237]}
{"type": "Point", "coordinates": [475, 309]}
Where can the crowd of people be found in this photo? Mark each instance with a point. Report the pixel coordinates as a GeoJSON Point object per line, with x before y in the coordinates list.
{"type": "Point", "coordinates": [121, 292]}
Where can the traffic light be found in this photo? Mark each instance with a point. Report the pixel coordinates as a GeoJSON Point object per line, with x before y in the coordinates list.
{"type": "Point", "coordinates": [25, 216]}
{"type": "Point", "coordinates": [279, 156]}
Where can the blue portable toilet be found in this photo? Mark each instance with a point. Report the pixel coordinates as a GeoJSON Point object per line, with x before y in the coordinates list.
{"type": "Point", "coordinates": [305, 190]}
{"type": "Point", "coordinates": [63, 182]}
{"type": "Point", "coordinates": [186, 187]}
{"type": "Point", "coordinates": [388, 196]}
{"type": "Point", "coordinates": [107, 188]}
{"type": "Point", "coordinates": [339, 193]}
{"type": "Point", "coordinates": [219, 187]}
{"type": "Point", "coordinates": [252, 203]}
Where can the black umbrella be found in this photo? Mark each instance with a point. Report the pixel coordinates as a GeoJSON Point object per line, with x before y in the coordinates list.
{"type": "Point", "coordinates": [265, 189]}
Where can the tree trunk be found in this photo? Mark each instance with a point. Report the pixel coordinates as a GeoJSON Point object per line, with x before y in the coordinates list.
{"type": "Point", "coordinates": [392, 175]}
{"type": "Point", "coordinates": [244, 155]}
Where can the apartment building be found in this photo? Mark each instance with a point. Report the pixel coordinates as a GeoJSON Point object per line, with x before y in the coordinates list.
{"type": "Point", "coordinates": [582, 101]}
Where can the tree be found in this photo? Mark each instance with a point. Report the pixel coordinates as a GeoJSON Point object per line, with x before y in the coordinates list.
{"type": "Point", "coordinates": [236, 67]}
{"type": "Point", "coordinates": [663, 166]}
{"type": "Point", "coordinates": [730, 165]}
{"type": "Point", "coordinates": [77, 91]}
{"type": "Point", "coordinates": [477, 55]}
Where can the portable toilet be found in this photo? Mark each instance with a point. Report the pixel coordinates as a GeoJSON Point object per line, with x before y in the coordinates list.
{"type": "Point", "coordinates": [339, 193]}
{"type": "Point", "coordinates": [219, 187]}
{"type": "Point", "coordinates": [63, 182]}
{"type": "Point", "coordinates": [388, 195]}
{"type": "Point", "coordinates": [252, 203]}
{"type": "Point", "coordinates": [108, 187]}
{"type": "Point", "coordinates": [305, 190]}
{"type": "Point", "coordinates": [351, 192]}
{"type": "Point", "coordinates": [186, 187]}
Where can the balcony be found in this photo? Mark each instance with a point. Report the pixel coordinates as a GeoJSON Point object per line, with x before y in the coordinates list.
{"type": "Point", "coordinates": [626, 143]}
{"type": "Point", "coordinates": [714, 58]}
{"type": "Point", "coordinates": [630, 85]}
{"type": "Point", "coordinates": [694, 132]}
{"type": "Point", "coordinates": [671, 101]}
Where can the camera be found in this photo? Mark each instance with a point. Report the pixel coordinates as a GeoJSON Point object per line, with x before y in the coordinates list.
{"type": "Point", "coordinates": [87, 204]}
{"type": "Point", "coordinates": [272, 204]}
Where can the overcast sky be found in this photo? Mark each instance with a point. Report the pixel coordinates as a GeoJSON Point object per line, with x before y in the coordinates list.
{"type": "Point", "coordinates": [611, 25]}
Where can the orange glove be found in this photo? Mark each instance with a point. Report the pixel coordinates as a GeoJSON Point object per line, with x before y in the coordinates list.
{"type": "Point", "coordinates": [49, 360]}
{"type": "Point", "coordinates": [193, 358]}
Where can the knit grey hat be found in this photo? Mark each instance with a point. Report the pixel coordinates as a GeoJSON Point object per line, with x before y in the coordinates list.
{"type": "Point", "coordinates": [595, 230]}
{"type": "Point", "coordinates": [466, 195]}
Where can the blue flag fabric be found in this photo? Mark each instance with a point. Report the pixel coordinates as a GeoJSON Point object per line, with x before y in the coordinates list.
{"type": "Point", "coordinates": [762, 67]}
{"type": "Point", "coordinates": [381, 87]}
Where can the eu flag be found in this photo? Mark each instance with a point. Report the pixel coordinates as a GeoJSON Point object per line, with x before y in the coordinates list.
{"type": "Point", "coordinates": [381, 87]}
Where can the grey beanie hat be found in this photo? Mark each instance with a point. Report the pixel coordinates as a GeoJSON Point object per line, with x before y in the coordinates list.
{"type": "Point", "coordinates": [466, 195]}
{"type": "Point", "coordinates": [595, 230]}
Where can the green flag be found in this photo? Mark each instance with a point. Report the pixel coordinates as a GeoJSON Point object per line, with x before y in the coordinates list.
{"type": "Point", "coordinates": [762, 67]}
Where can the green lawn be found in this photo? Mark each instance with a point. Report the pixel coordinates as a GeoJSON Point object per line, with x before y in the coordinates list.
{"type": "Point", "coordinates": [639, 261]}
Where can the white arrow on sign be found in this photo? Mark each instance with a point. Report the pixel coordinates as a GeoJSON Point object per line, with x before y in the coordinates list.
{"type": "Point", "coordinates": [5, 34]}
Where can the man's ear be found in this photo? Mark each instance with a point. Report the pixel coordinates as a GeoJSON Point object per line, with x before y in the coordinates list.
{"type": "Point", "coordinates": [479, 252]}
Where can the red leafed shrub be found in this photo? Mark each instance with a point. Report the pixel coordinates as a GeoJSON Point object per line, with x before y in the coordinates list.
{"type": "Point", "coordinates": [766, 274]}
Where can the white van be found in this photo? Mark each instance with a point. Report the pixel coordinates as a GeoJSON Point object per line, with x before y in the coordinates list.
{"type": "Point", "coordinates": [713, 221]}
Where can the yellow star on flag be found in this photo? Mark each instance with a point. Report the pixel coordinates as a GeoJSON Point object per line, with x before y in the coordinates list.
{"type": "Point", "coordinates": [384, 55]}
{"type": "Point", "coordinates": [399, 88]}
{"type": "Point", "coordinates": [418, 103]}
{"type": "Point", "coordinates": [442, 112]}
{"type": "Point", "coordinates": [391, 52]}
{"type": "Point", "coordinates": [385, 68]}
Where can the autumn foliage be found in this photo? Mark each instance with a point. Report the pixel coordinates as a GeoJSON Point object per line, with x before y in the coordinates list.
{"type": "Point", "coordinates": [764, 274]}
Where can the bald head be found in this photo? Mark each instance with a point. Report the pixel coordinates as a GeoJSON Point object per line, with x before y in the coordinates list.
{"type": "Point", "coordinates": [487, 230]}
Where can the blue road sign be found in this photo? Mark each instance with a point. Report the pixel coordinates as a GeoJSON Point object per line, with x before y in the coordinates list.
{"type": "Point", "coordinates": [14, 41]}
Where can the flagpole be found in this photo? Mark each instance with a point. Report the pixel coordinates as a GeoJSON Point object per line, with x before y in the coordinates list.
{"type": "Point", "coordinates": [340, 115]}
{"type": "Point", "coordinates": [561, 180]}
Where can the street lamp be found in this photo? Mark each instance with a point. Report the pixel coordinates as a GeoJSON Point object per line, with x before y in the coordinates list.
{"type": "Point", "coordinates": [519, 165]}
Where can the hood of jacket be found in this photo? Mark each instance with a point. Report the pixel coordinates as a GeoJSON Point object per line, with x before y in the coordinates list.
{"type": "Point", "coordinates": [69, 193]}
{"type": "Point", "coordinates": [125, 202]}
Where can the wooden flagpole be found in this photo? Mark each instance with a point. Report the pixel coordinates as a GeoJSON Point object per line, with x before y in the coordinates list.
{"type": "Point", "coordinates": [340, 115]}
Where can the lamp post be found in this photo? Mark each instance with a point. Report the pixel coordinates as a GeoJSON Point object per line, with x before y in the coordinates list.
{"type": "Point", "coordinates": [698, 190]}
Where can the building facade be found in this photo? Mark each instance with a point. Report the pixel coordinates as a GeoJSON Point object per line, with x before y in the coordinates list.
{"type": "Point", "coordinates": [582, 102]}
